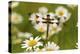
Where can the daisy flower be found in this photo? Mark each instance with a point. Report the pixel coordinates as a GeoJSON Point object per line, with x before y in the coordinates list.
{"type": "Point", "coordinates": [24, 35]}
{"type": "Point", "coordinates": [62, 14]}
{"type": "Point", "coordinates": [40, 27]}
{"type": "Point", "coordinates": [43, 10]}
{"type": "Point", "coordinates": [61, 11]}
{"type": "Point", "coordinates": [14, 4]}
{"type": "Point", "coordinates": [64, 19]}
{"type": "Point", "coordinates": [32, 43]}
{"type": "Point", "coordinates": [16, 18]}
{"type": "Point", "coordinates": [55, 30]}
{"type": "Point", "coordinates": [51, 46]}
{"type": "Point", "coordinates": [17, 41]}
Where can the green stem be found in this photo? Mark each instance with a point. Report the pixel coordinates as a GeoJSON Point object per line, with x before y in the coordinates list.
{"type": "Point", "coordinates": [32, 49]}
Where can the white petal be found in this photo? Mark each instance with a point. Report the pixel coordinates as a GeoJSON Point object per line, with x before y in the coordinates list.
{"type": "Point", "coordinates": [68, 16]}
{"type": "Point", "coordinates": [26, 41]}
{"type": "Point", "coordinates": [23, 46]}
{"type": "Point", "coordinates": [37, 38]}
{"type": "Point", "coordinates": [31, 38]}
{"type": "Point", "coordinates": [27, 49]}
{"type": "Point", "coordinates": [34, 47]}
{"type": "Point", "coordinates": [30, 48]}
{"type": "Point", "coordinates": [39, 44]}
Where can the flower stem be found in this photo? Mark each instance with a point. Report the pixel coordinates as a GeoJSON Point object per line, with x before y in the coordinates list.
{"type": "Point", "coordinates": [32, 49]}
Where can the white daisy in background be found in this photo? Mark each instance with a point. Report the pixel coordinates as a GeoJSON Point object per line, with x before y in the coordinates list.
{"type": "Point", "coordinates": [63, 14]}
{"type": "Point", "coordinates": [61, 11]}
{"type": "Point", "coordinates": [32, 43]}
{"type": "Point", "coordinates": [43, 10]}
{"type": "Point", "coordinates": [55, 30]}
{"type": "Point", "coordinates": [16, 18]}
{"type": "Point", "coordinates": [72, 6]}
{"type": "Point", "coordinates": [14, 4]}
{"type": "Point", "coordinates": [17, 41]}
{"type": "Point", "coordinates": [64, 19]}
{"type": "Point", "coordinates": [51, 46]}
{"type": "Point", "coordinates": [40, 27]}
{"type": "Point", "coordinates": [24, 35]}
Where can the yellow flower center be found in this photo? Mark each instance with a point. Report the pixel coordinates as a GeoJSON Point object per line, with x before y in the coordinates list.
{"type": "Point", "coordinates": [61, 13]}
{"type": "Point", "coordinates": [32, 43]}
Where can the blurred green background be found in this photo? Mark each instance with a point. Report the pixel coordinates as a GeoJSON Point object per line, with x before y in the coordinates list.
{"type": "Point", "coordinates": [66, 38]}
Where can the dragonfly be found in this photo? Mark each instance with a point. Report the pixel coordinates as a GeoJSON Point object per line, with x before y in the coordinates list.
{"type": "Point", "coordinates": [47, 21]}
